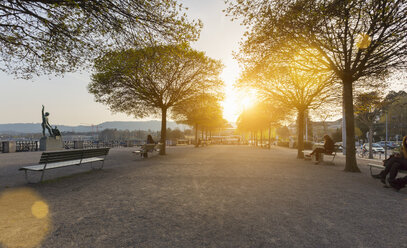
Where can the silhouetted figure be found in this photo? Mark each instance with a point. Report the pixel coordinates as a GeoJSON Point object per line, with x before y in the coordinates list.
{"type": "Point", "coordinates": [329, 147]}
{"type": "Point", "coordinates": [45, 124]}
{"type": "Point", "coordinates": [393, 165]}
{"type": "Point", "coordinates": [150, 139]}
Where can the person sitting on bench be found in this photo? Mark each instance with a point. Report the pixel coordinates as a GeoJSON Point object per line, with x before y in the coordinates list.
{"type": "Point", "coordinates": [393, 165]}
{"type": "Point", "coordinates": [328, 148]}
{"type": "Point", "coordinates": [150, 139]}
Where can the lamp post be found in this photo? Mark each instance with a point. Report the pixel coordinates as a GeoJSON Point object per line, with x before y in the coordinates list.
{"type": "Point", "coordinates": [385, 142]}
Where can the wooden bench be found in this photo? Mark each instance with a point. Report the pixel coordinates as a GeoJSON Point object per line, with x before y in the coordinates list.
{"type": "Point", "coordinates": [321, 159]}
{"type": "Point", "coordinates": [381, 167]}
{"type": "Point", "coordinates": [146, 148]}
{"type": "Point", "coordinates": [59, 159]}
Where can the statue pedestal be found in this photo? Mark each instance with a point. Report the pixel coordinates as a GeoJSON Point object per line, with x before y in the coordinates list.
{"type": "Point", "coordinates": [51, 143]}
{"type": "Point", "coordinates": [78, 144]}
{"type": "Point", "coordinates": [9, 146]}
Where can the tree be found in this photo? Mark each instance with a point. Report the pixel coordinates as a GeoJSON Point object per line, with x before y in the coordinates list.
{"type": "Point", "coordinates": [356, 40]}
{"type": "Point", "coordinates": [201, 112]}
{"type": "Point", "coordinates": [283, 132]}
{"type": "Point", "coordinates": [368, 108]}
{"type": "Point", "coordinates": [56, 36]}
{"type": "Point", "coordinates": [260, 117]}
{"type": "Point", "coordinates": [290, 87]}
{"type": "Point", "coordinates": [151, 81]}
{"type": "Point", "coordinates": [396, 113]}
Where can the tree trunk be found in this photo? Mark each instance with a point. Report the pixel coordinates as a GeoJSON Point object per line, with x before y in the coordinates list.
{"type": "Point", "coordinates": [370, 140]}
{"type": "Point", "coordinates": [300, 140]}
{"type": "Point", "coordinates": [351, 164]}
{"type": "Point", "coordinates": [196, 135]}
{"type": "Point", "coordinates": [261, 138]}
{"type": "Point", "coordinates": [269, 137]}
{"type": "Point", "coordinates": [257, 138]}
{"type": "Point", "coordinates": [163, 130]}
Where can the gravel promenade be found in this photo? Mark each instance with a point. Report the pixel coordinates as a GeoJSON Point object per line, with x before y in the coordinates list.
{"type": "Point", "coordinates": [216, 196]}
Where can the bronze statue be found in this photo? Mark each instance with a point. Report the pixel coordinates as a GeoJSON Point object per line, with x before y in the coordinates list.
{"type": "Point", "coordinates": [56, 131]}
{"type": "Point", "coordinates": [45, 123]}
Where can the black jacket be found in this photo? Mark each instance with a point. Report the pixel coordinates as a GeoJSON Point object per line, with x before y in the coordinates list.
{"type": "Point", "coordinates": [329, 145]}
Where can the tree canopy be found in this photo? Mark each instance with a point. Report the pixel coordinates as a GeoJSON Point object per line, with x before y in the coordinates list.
{"type": "Point", "coordinates": [57, 36]}
{"type": "Point", "coordinates": [368, 108]}
{"type": "Point", "coordinates": [152, 80]}
{"type": "Point", "coordinates": [289, 87]}
{"type": "Point", "coordinates": [355, 39]}
{"type": "Point", "coordinates": [201, 112]}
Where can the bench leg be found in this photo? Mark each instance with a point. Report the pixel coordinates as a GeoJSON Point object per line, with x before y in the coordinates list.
{"type": "Point", "coordinates": [27, 179]}
{"type": "Point", "coordinates": [103, 162]}
{"type": "Point", "coordinates": [42, 175]}
{"type": "Point", "coordinates": [99, 168]}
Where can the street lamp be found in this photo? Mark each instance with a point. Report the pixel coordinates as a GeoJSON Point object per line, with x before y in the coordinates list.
{"type": "Point", "coordinates": [385, 142]}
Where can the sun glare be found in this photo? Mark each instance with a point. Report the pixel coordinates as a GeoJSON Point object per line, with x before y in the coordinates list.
{"type": "Point", "coordinates": [235, 100]}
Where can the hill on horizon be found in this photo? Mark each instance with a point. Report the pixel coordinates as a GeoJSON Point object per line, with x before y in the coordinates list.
{"type": "Point", "coordinates": [15, 128]}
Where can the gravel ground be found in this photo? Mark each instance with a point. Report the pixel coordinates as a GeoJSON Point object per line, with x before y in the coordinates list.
{"type": "Point", "coordinates": [217, 196]}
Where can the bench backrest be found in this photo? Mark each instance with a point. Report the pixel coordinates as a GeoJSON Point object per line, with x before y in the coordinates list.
{"type": "Point", "coordinates": [60, 156]}
{"type": "Point", "coordinates": [97, 152]}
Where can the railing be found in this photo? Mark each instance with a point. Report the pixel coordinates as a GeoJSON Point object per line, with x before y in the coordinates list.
{"type": "Point", "coordinates": [34, 145]}
{"type": "Point", "coordinates": [27, 146]}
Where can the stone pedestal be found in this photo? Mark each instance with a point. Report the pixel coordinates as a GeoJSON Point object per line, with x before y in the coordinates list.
{"type": "Point", "coordinates": [9, 146]}
{"type": "Point", "coordinates": [51, 143]}
{"type": "Point", "coordinates": [78, 144]}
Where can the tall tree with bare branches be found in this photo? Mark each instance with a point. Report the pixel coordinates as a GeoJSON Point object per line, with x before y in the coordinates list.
{"type": "Point", "coordinates": [290, 88]}
{"type": "Point", "coordinates": [151, 81]}
{"type": "Point", "coordinates": [57, 36]}
{"type": "Point", "coordinates": [356, 39]}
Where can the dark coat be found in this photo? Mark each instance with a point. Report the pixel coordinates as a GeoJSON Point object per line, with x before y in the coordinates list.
{"type": "Point", "coordinates": [329, 145]}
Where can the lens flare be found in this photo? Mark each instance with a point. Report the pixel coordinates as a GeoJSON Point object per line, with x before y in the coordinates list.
{"type": "Point", "coordinates": [39, 209]}
{"type": "Point", "coordinates": [24, 218]}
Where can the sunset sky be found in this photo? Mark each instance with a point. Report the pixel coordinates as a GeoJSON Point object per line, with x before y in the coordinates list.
{"type": "Point", "coordinates": [69, 102]}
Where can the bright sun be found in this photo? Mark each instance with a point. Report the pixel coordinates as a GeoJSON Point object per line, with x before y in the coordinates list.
{"type": "Point", "coordinates": [235, 100]}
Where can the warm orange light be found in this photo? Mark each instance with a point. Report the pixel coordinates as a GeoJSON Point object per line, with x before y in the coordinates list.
{"type": "Point", "coordinates": [236, 102]}
{"type": "Point", "coordinates": [24, 218]}
{"type": "Point", "coordinates": [363, 41]}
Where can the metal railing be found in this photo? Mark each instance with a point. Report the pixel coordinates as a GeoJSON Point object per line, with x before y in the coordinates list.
{"type": "Point", "coordinates": [27, 146]}
{"type": "Point", "coordinates": [34, 145]}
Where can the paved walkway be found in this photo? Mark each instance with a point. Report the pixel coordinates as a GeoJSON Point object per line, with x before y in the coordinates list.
{"type": "Point", "coordinates": [217, 196]}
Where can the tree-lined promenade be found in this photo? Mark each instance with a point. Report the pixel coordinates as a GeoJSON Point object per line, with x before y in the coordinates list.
{"type": "Point", "coordinates": [223, 196]}
{"type": "Point", "coordinates": [301, 58]}
{"type": "Point", "coordinates": [298, 55]}
{"type": "Point", "coordinates": [350, 43]}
